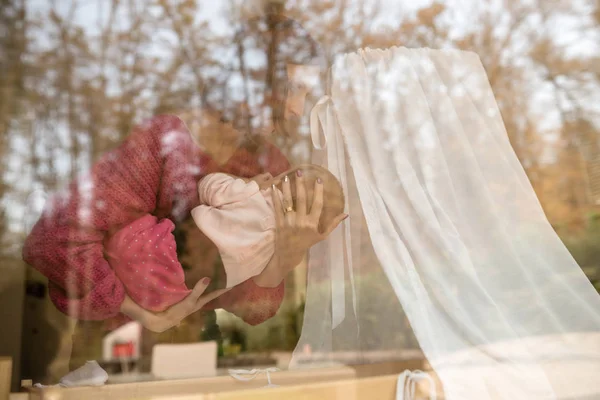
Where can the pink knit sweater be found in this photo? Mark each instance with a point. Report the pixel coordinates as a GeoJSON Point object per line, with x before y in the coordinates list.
{"type": "Point", "coordinates": [144, 257]}
{"type": "Point", "coordinates": [155, 170]}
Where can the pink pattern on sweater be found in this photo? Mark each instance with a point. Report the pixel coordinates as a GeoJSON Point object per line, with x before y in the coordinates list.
{"type": "Point", "coordinates": [154, 171]}
{"type": "Point", "coordinates": [144, 257]}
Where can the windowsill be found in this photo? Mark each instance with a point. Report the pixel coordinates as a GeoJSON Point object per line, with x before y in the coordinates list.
{"type": "Point", "coordinates": [145, 386]}
{"type": "Point", "coordinates": [138, 377]}
{"type": "Point", "coordinates": [319, 383]}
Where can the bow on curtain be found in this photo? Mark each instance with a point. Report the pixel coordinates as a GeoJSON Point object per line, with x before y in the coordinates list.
{"type": "Point", "coordinates": [323, 116]}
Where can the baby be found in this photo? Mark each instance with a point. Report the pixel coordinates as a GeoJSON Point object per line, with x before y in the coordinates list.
{"type": "Point", "coordinates": [236, 214]}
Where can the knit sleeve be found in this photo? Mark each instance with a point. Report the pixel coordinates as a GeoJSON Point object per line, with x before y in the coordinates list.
{"type": "Point", "coordinates": [143, 255]}
{"type": "Point", "coordinates": [250, 302]}
{"type": "Point", "coordinates": [66, 243]}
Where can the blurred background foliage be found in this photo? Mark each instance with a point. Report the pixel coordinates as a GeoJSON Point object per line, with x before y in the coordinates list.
{"type": "Point", "coordinates": [78, 74]}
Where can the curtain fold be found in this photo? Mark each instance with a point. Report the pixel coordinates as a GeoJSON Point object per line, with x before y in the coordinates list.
{"type": "Point", "coordinates": [444, 230]}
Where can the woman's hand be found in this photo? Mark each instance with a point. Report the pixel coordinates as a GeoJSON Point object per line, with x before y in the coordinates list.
{"type": "Point", "coordinates": [162, 321]}
{"type": "Point", "coordinates": [297, 229]}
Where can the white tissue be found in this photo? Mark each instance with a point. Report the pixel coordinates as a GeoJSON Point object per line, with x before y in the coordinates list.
{"type": "Point", "coordinates": [90, 374]}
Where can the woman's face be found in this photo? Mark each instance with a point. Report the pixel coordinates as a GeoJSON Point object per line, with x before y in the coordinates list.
{"type": "Point", "coordinates": [301, 80]}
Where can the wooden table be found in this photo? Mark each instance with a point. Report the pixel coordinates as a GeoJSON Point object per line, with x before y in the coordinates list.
{"type": "Point", "coordinates": [5, 377]}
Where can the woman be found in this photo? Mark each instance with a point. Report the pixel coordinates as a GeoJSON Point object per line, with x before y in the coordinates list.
{"type": "Point", "coordinates": [155, 170]}
{"type": "Point", "coordinates": [138, 177]}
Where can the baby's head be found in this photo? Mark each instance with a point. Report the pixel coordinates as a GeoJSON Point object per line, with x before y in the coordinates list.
{"type": "Point", "coordinates": [333, 195]}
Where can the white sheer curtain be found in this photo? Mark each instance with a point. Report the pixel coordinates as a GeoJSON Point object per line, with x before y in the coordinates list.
{"type": "Point", "coordinates": [444, 228]}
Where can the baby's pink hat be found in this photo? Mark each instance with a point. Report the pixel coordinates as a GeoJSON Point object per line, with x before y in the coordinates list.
{"type": "Point", "coordinates": [239, 218]}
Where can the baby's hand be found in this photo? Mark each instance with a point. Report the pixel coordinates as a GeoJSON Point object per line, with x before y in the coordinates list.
{"type": "Point", "coordinates": [263, 180]}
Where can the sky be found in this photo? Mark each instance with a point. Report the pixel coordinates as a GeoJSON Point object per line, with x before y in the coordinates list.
{"type": "Point", "coordinates": [92, 14]}
{"type": "Point", "coordinates": [91, 11]}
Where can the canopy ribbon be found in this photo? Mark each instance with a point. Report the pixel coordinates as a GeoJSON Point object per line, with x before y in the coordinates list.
{"type": "Point", "coordinates": [249, 374]}
{"type": "Point", "coordinates": [407, 385]}
{"type": "Point", "coordinates": [323, 115]}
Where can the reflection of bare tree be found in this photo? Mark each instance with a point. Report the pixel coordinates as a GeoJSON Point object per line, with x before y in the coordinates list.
{"type": "Point", "coordinates": [66, 56]}
{"type": "Point", "coordinates": [191, 46]}
{"type": "Point", "coordinates": [86, 89]}
{"type": "Point", "coordinates": [71, 88]}
{"type": "Point", "coordinates": [257, 82]}
{"type": "Point", "coordinates": [13, 46]}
